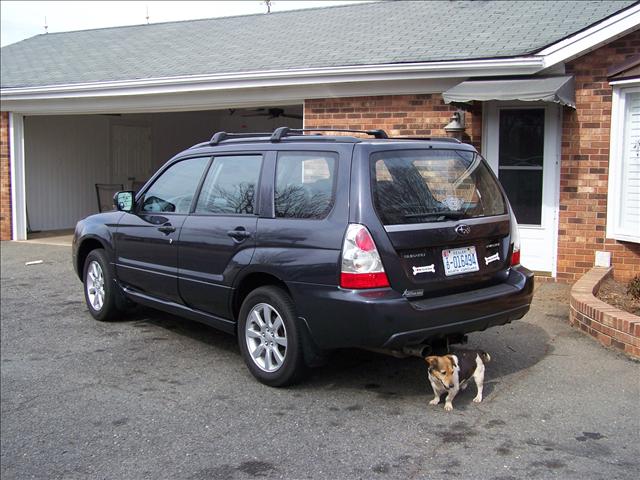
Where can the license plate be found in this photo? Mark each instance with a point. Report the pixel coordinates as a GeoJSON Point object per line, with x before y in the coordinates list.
{"type": "Point", "coordinates": [460, 260]}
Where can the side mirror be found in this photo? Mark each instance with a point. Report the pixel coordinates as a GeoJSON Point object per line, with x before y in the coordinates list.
{"type": "Point", "coordinates": [124, 201]}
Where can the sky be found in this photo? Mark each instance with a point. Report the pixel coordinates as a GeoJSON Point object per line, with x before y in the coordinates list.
{"type": "Point", "coordinates": [20, 20]}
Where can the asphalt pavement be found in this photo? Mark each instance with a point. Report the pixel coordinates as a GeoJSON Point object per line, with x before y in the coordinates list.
{"type": "Point", "coordinates": [158, 397]}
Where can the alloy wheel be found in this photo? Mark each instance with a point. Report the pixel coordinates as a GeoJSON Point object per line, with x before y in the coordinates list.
{"type": "Point", "coordinates": [266, 337]}
{"type": "Point", "coordinates": [95, 285]}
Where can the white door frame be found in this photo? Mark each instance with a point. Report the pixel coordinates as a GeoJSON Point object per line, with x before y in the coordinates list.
{"type": "Point", "coordinates": [18, 189]}
{"type": "Point", "coordinates": [551, 166]}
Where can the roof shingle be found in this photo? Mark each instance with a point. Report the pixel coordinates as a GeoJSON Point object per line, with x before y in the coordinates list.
{"type": "Point", "coordinates": [371, 33]}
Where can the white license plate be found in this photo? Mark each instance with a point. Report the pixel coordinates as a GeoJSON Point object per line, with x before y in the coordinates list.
{"type": "Point", "coordinates": [460, 260]}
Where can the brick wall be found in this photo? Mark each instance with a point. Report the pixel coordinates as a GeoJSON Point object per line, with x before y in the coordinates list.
{"type": "Point", "coordinates": [584, 158]}
{"type": "Point", "coordinates": [610, 326]}
{"type": "Point", "coordinates": [411, 115]}
{"type": "Point", "coordinates": [585, 167]}
{"type": "Point", "coordinates": [5, 179]}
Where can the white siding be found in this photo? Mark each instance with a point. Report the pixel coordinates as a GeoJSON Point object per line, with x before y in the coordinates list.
{"type": "Point", "coordinates": [130, 154]}
{"type": "Point", "coordinates": [65, 156]}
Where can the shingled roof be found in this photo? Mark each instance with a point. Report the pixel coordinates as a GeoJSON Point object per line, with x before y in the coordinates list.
{"type": "Point", "coordinates": [362, 34]}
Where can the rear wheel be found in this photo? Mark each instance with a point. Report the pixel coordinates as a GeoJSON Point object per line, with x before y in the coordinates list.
{"type": "Point", "coordinates": [99, 289]}
{"type": "Point", "coordinates": [270, 338]}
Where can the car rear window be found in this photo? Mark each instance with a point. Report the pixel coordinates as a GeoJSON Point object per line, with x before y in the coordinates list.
{"type": "Point", "coordinates": [420, 186]}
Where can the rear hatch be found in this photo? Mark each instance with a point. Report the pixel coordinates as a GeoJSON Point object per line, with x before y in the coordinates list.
{"type": "Point", "coordinates": [446, 218]}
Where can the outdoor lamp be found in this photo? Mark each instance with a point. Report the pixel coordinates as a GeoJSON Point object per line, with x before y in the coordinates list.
{"type": "Point", "coordinates": [455, 127]}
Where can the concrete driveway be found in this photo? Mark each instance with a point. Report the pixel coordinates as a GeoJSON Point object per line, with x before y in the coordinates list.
{"type": "Point", "coordinates": [161, 398]}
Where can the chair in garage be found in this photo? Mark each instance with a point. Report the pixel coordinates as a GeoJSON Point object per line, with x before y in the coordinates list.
{"type": "Point", "coordinates": [105, 193]}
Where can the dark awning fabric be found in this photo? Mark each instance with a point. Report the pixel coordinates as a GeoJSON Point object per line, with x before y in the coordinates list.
{"type": "Point", "coordinates": [548, 89]}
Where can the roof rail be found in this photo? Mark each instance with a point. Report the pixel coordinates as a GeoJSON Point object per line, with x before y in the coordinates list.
{"type": "Point", "coordinates": [220, 136]}
{"type": "Point", "coordinates": [281, 132]}
{"type": "Point", "coordinates": [428, 139]}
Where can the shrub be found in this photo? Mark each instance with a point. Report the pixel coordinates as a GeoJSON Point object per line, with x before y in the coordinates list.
{"type": "Point", "coordinates": [633, 287]}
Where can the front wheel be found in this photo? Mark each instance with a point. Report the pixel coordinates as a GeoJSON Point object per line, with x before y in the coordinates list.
{"type": "Point", "coordinates": [99, 289]}
{"type": "Point", "coordinates": [269, 337]}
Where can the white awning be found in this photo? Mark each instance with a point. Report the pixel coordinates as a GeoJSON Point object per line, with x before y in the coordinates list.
{"type": "Point", "coordinates": [548, 89]}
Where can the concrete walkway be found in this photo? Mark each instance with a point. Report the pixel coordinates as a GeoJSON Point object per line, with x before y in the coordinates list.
{"type": "Point", "coordinates": [62, 238]}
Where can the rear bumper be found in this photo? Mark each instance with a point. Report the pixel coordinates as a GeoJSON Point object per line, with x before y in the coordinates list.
{"type": "Point", "coordinates": [384, 318]}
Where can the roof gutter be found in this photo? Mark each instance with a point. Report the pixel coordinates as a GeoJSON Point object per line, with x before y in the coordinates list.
{"type": "Point", "coordinates": [282, 78]}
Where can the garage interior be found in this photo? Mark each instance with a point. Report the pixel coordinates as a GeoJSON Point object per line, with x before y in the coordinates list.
{"type": "Point", "coordinates": [67, 155]}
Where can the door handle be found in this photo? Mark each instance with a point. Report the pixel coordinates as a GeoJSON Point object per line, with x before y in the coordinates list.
{"type": "Point", "coordinates": [239, 234]}
{"type": "Point", "coordinates": [167, 229]}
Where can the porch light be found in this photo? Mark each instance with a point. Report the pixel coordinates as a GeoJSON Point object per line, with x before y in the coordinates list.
{"type": "Point", "coordinates": [456, 124]}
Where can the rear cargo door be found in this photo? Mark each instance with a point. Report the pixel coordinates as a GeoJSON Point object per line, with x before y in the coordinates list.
{"type": "Point", "coordinates": [445, 222]}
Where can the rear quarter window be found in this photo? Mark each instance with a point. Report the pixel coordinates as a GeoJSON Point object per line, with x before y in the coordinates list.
{"type": "Point", "coordinates": [418, 186]}
{"type": "Point", "coordinates": [305, 184]}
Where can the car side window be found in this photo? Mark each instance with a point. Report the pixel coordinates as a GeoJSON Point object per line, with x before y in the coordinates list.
{"type": "Point", "coordinates": [173, 191]}
{"type": "Point", "coordinates": [230, 186]}
{"type": "Point", "coordinates": [305, 184]}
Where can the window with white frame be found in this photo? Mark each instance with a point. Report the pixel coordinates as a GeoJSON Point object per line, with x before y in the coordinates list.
{"type": "Point", "coordinates": [623, 211]}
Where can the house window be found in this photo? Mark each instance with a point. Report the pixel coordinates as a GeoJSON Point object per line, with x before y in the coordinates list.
{"type": "Point", "coordinates": [623, 212]}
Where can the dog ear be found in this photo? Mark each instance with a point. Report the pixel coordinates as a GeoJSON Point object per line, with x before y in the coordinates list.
{"type": "Point", "coordinates": [453, 361]}
{"type": "Point", "coordinates": [432, 361]}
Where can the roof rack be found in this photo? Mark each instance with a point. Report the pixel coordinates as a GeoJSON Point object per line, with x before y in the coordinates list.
{"type": "Point", "coordinates": [433, 139]}
{"type": "Point", "coordinates": [281, 132]}
{"type": "Point", "coordinates": [220, 136]}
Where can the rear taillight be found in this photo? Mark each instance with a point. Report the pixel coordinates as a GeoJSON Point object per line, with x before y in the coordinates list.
{"type": "Point", "coordinates": [515, 241]}
{"type": "Point", "coordinates": [515, 257]}
{"type": "Point", "coordinates": [361, 264]}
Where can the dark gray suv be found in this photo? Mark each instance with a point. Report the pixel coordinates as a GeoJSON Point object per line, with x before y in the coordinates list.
{"type": "Point", "coordinates": [299, 244]}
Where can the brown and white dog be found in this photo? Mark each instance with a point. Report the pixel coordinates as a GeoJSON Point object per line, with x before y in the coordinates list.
{"type": "Point", "coordinates": [450, 373]}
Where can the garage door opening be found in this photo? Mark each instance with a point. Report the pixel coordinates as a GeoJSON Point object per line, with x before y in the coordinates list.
{"type": "Point", "coordinates": [72, 159]}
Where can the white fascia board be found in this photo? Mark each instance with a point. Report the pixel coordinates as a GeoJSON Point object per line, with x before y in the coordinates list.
{"type": "Point", "coordinates": [593, 37]}
{"type": "Point", "coordinates": [629, 82]}
{"type": "Point", "coordinates": [282, 78]}
{"type": "Point", "coordinates": [220, 99]}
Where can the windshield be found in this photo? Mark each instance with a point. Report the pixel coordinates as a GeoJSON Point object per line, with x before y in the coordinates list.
{"type": "Point", "coordinates": [418, 186]}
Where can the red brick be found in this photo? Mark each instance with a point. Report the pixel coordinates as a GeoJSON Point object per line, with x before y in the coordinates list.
{"type": "Point", "coordinates": [585, 167]}
{"type": "Point", "coordinates": [412, 115]}
{"type": "Point", "coordinates": [5, 179]}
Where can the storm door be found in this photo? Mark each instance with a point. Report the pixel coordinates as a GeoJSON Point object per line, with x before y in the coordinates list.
{"type": "Point", "coordinates": [522, 146]}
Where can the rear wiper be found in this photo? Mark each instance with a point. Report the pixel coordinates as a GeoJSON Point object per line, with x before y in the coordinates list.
{"type": "Point", "coordinates": [442, 215]}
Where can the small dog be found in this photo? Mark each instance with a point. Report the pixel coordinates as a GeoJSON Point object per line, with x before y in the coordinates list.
{"type": "Point", "coordinates": [450, 374]}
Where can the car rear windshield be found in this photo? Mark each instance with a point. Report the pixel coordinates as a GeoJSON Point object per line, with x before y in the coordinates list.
{"type": "Point", "coordinates": [420, 186]}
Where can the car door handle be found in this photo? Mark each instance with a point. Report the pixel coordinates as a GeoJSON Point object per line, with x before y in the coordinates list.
{"type": "Point", "coordinates": [239, 234]}
{"type": "Point", "coordinates": [167, 229]}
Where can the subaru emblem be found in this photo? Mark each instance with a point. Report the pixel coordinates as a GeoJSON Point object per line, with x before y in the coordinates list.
{"type": "Point", "coordinates": [463, 230]}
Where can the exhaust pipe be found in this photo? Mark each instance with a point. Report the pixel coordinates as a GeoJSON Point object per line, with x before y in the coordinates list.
{"type": "Point", "coordinates": [417, 350]}
{"type": "Point", "coordinates": [440, 346]}
{"type": "Point", "coordinates": [420, 351]}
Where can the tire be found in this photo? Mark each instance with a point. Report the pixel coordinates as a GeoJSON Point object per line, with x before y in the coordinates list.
{"type": "Point", "coordinates": [270, 338]}
{"type": "Point", "coordinates": [100, 291]}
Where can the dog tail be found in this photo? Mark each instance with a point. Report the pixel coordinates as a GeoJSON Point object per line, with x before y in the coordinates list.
{"type": "Point", "coordinates": [486, 358]}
